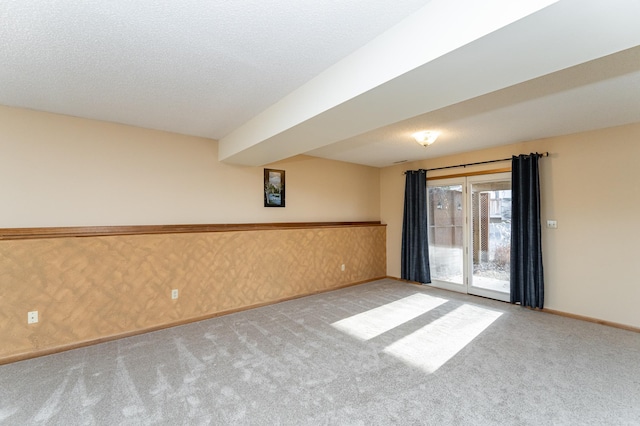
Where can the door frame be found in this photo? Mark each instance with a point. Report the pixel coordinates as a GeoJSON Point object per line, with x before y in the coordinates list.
{"type": "Point", "coordinates": [467, 249]}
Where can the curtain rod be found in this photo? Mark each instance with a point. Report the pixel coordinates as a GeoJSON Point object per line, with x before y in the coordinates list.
{"type": "Point", "coordinates": [543, 154]}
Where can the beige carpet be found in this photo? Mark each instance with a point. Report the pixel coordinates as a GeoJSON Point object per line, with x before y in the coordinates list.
{"type": "Point", "coordinates": [380, 353]}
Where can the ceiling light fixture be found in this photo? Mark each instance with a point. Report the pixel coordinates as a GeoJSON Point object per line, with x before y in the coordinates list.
{"type": "Point", "coordinates": [426, 137]}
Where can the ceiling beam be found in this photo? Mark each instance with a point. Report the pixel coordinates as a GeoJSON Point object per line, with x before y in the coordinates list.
{"type": "Point", "coordinates": [444, 54]}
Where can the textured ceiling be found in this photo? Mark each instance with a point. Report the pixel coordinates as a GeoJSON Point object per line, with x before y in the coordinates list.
{"type": "Point", "coordinates": [343, 80]}
{"type": "Point", "coordinates": [196, 67]}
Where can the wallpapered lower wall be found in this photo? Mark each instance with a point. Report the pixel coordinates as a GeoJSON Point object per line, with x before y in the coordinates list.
{"type": "Point", "coordinates": [92, 288]}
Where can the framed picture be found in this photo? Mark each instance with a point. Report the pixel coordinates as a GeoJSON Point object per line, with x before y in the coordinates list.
{"type": "Point", "coordinates": [274, 188]}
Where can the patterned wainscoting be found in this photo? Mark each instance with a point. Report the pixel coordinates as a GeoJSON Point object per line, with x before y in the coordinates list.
{"type": "Point", "coordinates": [92, 288]}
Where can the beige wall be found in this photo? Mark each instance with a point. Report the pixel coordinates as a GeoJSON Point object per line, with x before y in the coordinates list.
{"type": "Point", "coordinates": [65, 171]}
{"type": "Point", "coordinates": [58, 171]}
{"type": "Point", "coordinates": [591, 186]}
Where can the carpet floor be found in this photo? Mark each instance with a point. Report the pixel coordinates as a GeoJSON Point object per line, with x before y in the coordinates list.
{"type": "Point", "coordinates": [375, 354]}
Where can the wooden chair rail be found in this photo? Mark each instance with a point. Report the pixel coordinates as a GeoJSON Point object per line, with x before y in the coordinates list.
{"type": "Point", "coordinates": [100, 231]}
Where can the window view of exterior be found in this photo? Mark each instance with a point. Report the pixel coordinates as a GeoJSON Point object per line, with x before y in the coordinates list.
{"type": "Point", "coordinates": [446, 233]}
{"type": "Point", "coordinates": [491, 235]}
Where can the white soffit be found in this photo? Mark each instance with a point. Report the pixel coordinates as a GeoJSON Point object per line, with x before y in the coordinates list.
{"type": "Point", "coordinates": [593, 95]}
{"type": "Point", "coordinates": [406, 71]}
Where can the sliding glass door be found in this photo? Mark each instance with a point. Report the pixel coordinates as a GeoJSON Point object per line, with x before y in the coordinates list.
{"type": "Point", "coordinates": [490, 235]}
{"type": "Point", "coordinates": [470, 234]}
{"type": "Point", "coordinates": [447, 237]}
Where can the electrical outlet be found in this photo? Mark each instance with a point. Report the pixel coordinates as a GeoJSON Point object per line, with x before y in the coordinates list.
{"type": "Point", "coordinates": [553, 224]}
{"type": "Point", "coordinates": [342, 268]}
{"type": "Point", "coordinates": [174, 293]}
{"type": "Point", "coordinates": [32, 317]}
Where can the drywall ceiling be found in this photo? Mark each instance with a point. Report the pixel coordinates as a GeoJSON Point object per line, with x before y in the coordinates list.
{"type": "Point", "coordinates": [343, 80]}
{"type": "Point", "coordinates": [196, 67]}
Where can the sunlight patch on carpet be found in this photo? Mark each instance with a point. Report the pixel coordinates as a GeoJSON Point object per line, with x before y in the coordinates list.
{"type": "Point", "coordinates": [430, 347]}
{"type": "Point", "coordinates": [374, 322]}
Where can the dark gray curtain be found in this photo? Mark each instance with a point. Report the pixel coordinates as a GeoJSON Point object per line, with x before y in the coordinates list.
{"type": "Point", "coordinates": [527, 279]}
{"type": "Point", "coordinates": [415, 244]}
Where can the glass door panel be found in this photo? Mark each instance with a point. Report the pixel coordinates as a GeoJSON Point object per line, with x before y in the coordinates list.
{"type": "Point", "coordinates": [490, 236]}
{"type": "Point", "coordinates": [446, 234]}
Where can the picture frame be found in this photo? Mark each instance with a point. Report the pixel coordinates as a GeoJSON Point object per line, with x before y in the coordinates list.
{"type": "Point", "coordinates": [274, 188]}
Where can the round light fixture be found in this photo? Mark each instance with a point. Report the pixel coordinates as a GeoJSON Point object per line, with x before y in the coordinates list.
{"type": "Point", "coordinates": [426, 137]}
